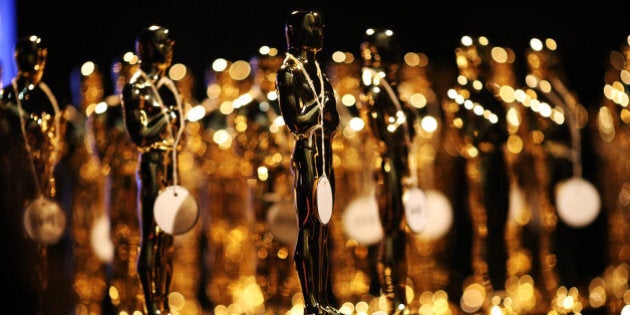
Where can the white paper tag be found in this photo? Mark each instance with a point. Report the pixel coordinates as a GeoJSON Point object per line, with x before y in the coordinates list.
{"type": "Point", "coordinates": [324, 199]}
{"type": "Point", "coordinates": [175, 210]}
{"type": "Point", "coordinates": [415, 201]}
{"type": "Point", "coordinates": [101, 239]}
{"type": "Point", "coordinates": [577, 202]}
{"type": "Point", "coordinates": [44, 221]}
{"type": "Point", "coordinates": [439, 214]}
{"type": "Point", "coordinates": [517, 204]}
{"type": "Point", "coordinates": [283, 222]}
{"type": "Point", "coordinates": [361, 221]}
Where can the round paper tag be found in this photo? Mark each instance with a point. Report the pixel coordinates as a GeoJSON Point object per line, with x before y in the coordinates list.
{"type": "Point", "coordinates": [44, 221]}
{"type": "Point", "coordinates": [175, 210]}
{"type": "Point", "coordinates": [577, 202]}
{"type": "Point", "coordinates": [361, 221]}
{"type": "Point", "coordinates": [324, 199]}
{"type": "Point", "coordinates": [517, 205]}
{"type": "Point", "coordinates": [439, 213]}
{"type": "Point", "coordinates": [415, 201]}
{"type": "Point", "coordinates": [101, 240]}
{"type": "Point", "coordinates": [283, 222]}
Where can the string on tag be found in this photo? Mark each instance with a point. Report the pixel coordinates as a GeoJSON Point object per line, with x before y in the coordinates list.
{"type": "Point", "coordinates": [577, 200]}
{"type": "Point", "coordinates": [44, 220]}
{"type": "Point", "coordinates": [576, 142]}
{"type": "Point", "coordinates": [392, 95]}
{"type": "Point", "coordinates": [27, 145]}
{"type": "Point", "coordinates": [176, 138]}
{"type": "Point", "coordinates": [323, 187]}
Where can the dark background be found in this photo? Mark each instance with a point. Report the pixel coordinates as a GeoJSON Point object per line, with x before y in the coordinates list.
{"type": "Point", "coordinates": [205, 30]}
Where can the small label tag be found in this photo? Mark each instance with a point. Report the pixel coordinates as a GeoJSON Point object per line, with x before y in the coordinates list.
{"type": "Point", "coordinates": [414, 201]}
{"type": "Point", "coordinates": [439, 214]}
{"type": "Point", "coordinates": [175, 210]}
{"type": "Point", "coordinates": [44, 221]}
{"type": "Point", "coordinates": [517, 209]}
{"type": "Point", "coordinates": [577, 202]}
{"type": "Point", "coordinates": [361, 221]}
{"type": "Point", "coordinates": [101, 239]}
{"type": "Point", "coordinates": [324, 200]}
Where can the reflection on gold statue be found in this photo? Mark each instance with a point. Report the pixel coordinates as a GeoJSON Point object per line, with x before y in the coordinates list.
{"type": "Point", "coordinates": [611, 127]}
{"type": "Point", "coordinates": [228, 251]}
{"type": "Point", "coordinates": [234, 265]}
{"type": "Point", "coordinates": [433, 249]}
{"type": "Point", "coordinates": [92, 247]}
{"type": "Point", "coordinates": [529, 182]}
{"type": "Point", "coordinates": [152, 113]}
{"type": "Point", "coordinates": [264, 144]}
{"type": "Point", "coordinates": [308, 106]}
{"type": "Point", "coordinates": [186, 256]}
{"type": "Point", "coordinates": [31, 144]}
{"type": "Point", "coordinates": [119, 159]}
{"type": "Point", "coordinates": [476, 131]}
{"type": "Point", "coordinates": [575, 200]}
{"type": "Point", "coordinates": [388, 119]}
{"type": "Point", "coordinates": [357, 232]}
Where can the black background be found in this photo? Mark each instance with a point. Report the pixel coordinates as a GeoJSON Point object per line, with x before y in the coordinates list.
{"type": "Point", "coordinates": [205, 30]}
